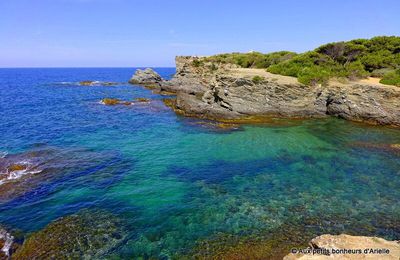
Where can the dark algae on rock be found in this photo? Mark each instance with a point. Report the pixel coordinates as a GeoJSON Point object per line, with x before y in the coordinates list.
{"type": "Point", "coordinates": [89, 234]}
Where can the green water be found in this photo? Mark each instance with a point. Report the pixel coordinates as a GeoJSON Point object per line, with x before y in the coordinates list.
{"type": "Point", "coordinates": [176, 183]}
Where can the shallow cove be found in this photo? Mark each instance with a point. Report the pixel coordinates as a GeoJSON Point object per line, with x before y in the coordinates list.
{"type": "Point", "coordinates": [179, 183]}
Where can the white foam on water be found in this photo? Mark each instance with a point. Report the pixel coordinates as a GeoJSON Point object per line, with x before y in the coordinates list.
{"type": "Point", "coordinates": [8, 241]}
{"type": "Point", "coordinates": [3, 154]}
{"type": "Point", "coordinates": [13, 175]}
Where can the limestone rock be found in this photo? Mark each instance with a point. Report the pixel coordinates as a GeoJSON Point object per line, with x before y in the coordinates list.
{"type": "Point", "coordinates": [358, 247]}
{"type": "Point", "coordinates": [230, 92]}
{"type": "Point", "coordinates": [146, 77]}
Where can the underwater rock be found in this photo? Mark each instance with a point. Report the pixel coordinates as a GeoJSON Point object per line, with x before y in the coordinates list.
{"type": "Point", "coordinates": [146, 77]}
{"type": "Point", "coordinates": [24, 172]}
{"type": "Point", "coordinates": [142, 100]}
{"type": "Point", "coordinates": [87, 234]}
{"type": "Point", "coordinates": [360, 247]}
{"type": "Point", "coordinates": [14, 167]}
{"type": "Point", "coordinates": [114, 101]}
{"type": "Point", "coordinates": [96, 83]}
{"type": "Point", "coordinates": [390, 148]}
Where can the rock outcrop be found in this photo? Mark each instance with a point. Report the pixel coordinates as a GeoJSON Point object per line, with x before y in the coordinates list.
{"type": "Point", "coordinates": [348, 247]}
{"type": "Point", "coordinates": [225, 92]}
{"type": "Point", "coordinates": [146, 77]}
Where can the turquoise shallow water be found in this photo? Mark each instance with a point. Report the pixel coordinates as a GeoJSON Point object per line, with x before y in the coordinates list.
{"type": "Point", "coordinates": [176, 182]}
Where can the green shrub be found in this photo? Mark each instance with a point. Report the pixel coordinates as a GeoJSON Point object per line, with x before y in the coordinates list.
{"type": "Point", "coordinates": [343, 60]}
{"type": "Point", "coordinates": [197, 63]}
{"type": "Point", "coordinates": [391, 78]}
{"type": "Point", "coordinates": [313, 75]}
{"type": "Point", "coordinates": [258, 79]}
{"type": "Point", "coordinates": [355, 70]}
{"type": "Point", "coordinates": [379, 73]}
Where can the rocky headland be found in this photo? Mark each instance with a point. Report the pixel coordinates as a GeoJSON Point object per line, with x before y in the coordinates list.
{"type": "Point", "coordinates": [226, 92]}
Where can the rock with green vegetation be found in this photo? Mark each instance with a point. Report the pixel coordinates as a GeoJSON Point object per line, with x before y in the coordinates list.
{"type": "Point", "coordinates": [237, 93]}
{"type": "Point", "coordinates": [330, 80]}
{"type": "Point", "coordinates": [391, 78]}
{"type": "Point", "coordinates": [257, 79]}
{"type": "Point", "coordinates": [85, 235]}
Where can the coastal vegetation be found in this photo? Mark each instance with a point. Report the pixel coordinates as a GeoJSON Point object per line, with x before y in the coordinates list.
{"type": "Point", "coordinates": [352, 60]}
{"type": "Point", "coordinates": [392, 78]}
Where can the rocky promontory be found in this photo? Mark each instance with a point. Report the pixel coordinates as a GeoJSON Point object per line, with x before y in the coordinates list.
{"type": "Point", "coordinates": [228, 92]}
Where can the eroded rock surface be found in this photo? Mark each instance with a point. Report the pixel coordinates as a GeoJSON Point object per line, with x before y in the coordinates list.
{"type": "Point", "coordinates": [334, 247]}
{"type": "Point", "coordinates": [146, 77]}
{"type": "Point", "coordinates": [224, 91]}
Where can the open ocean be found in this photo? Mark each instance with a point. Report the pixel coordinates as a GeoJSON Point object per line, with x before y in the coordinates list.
{"type": "Point", "coordinates": [179, 185]}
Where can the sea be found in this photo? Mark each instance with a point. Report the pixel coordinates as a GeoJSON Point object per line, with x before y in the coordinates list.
{"type": "Point", "coordinates": [185, 187]}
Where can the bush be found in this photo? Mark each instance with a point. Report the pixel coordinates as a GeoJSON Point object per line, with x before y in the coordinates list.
{"type": "Point", "coordinates": [355, 70]}
{"type": "Point", "coordinates": [379, 73]}
{"type": "Point", "coordinates": [391, 78]}
{"type": "Point", "coordinates": [347, 60]}
{"type": "Point", "coordinates": [197, 63]}
{"type": "Point", "coordinates": [258, 79]}
{"type": "Point", "coordinates": [313, 75]}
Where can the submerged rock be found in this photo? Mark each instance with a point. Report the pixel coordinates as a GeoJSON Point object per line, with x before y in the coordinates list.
{"type": "Point", "coordinates": [96, 83]}
{"type": "Point", "coordinates": [146, 77]}
{"type": "Point", "coordinates": [349, 247]}
{"type": "Point", "coordinates": [87, 234]}
{"type": "Point", "coordinates": [114, 101]}
{"type": "Point", "coordinates": [22, 173]}
{"type": "Point", "coordinates": [390, 148]}
{"type": "Point", "coordinates": [142, 100]}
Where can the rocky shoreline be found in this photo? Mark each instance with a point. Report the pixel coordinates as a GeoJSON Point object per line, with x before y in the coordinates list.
{"type": "Point", "coordinates": [226, 92]}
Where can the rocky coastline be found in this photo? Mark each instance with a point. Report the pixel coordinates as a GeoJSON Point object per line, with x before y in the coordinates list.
{"type": "Point", "coordinates": [225, 92]}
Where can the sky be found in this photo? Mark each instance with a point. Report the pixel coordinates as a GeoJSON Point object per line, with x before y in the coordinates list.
{"type": "Point", "coordinates": [136, 33]}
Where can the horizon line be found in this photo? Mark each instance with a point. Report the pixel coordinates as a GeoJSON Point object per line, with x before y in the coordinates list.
{"type": "Point", "coordinates": [86, 67]}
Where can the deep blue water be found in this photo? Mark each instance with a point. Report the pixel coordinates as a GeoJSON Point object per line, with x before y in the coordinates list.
{"type": "Point", "coordinates": [176, 181]}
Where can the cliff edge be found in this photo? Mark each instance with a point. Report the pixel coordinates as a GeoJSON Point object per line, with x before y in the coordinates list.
{"type": "Point", "coordinates": [228, 92]}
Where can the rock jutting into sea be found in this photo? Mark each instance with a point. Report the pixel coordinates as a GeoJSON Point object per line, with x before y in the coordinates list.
{"type": "Point", "coordinates": [146, 77]}
{"type": "Point", "coordinates": [347, 247]}
{"type": "Point", "coordinates": [226, 92]}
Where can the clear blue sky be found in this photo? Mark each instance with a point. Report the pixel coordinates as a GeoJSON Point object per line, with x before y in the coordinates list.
{"type": "Point", "coordinates": [122, 33]}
